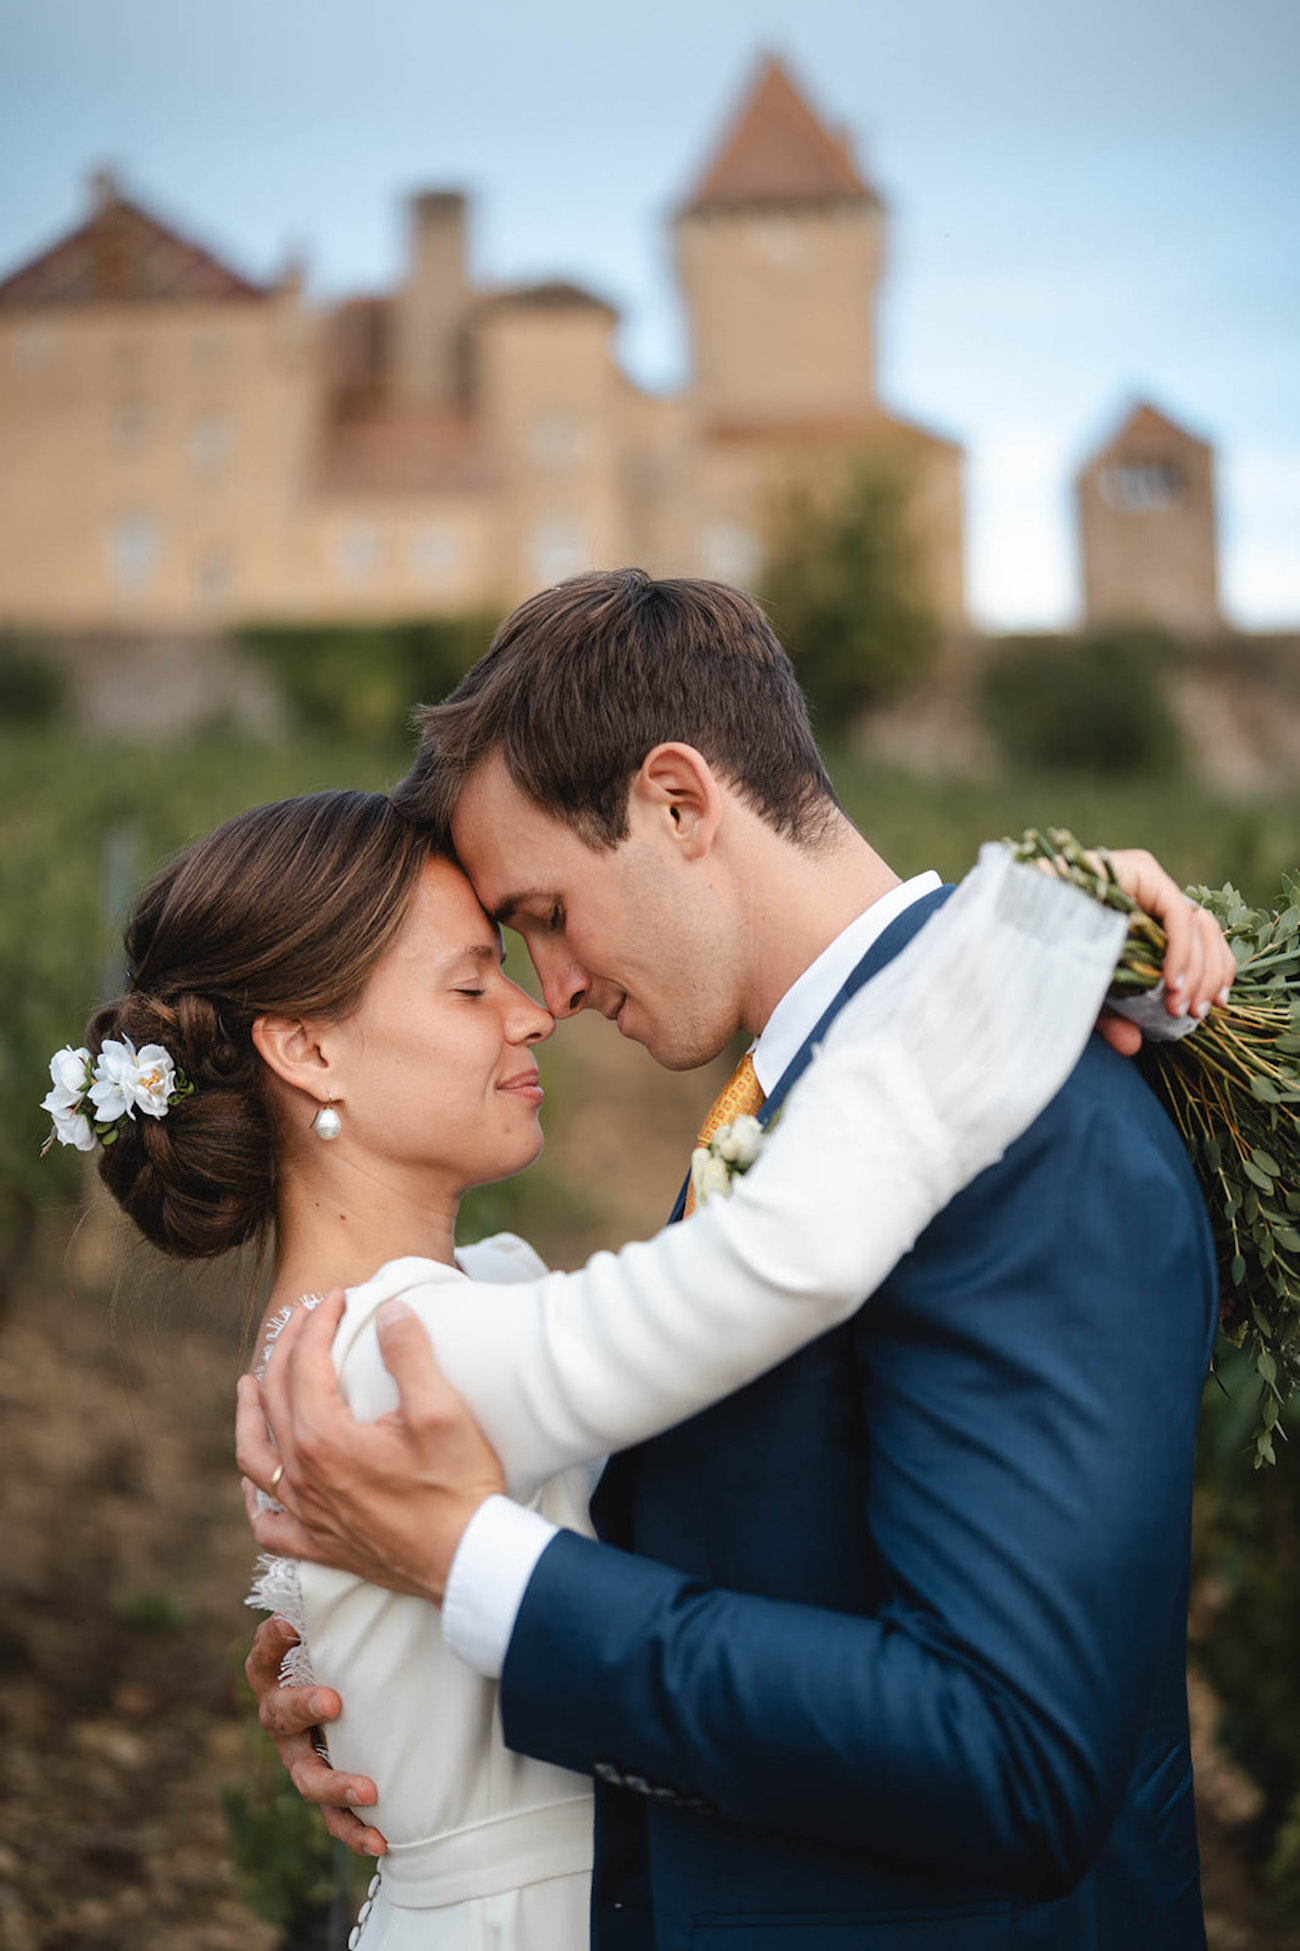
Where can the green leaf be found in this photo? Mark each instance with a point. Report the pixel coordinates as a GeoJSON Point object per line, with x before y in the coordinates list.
{"type": "Point", "coordinates": [1238, 1269]}
{"type": "Point", "coordinates": [1286, 1236]}
{"type": "Point", "coordinates": [1267, 1163]}
{"type": "Point", "coordinates": [1255, 1174]}
{"type": "Point", "coordinates": [1212, 1150]}
{"type": "Point", "coordinates": [1261, 1088]}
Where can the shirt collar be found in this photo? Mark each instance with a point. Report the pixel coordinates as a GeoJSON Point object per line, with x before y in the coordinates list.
{"type": "Point", "coordinates": [810, 995]}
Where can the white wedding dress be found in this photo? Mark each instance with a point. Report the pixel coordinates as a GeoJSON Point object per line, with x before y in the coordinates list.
{"type": "Point", "coordinates": [924, 1079]}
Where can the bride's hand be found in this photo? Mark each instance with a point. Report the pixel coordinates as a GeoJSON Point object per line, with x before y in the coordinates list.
{"type": "Point", "coordinates": [1199, 965]}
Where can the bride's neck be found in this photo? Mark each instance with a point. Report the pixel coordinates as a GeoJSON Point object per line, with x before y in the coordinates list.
{"type": "Point", "coordinates": [338, 1223]}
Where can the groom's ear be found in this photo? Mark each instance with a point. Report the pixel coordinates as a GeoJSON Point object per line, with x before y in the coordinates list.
{"type": "Point", "coordinates": [677, 791]}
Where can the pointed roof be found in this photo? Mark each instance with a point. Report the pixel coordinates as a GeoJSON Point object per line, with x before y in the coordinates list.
{"type": "Point", "coordinates": [1145, 427]}
{"type": "Point", "coordinates": [777, 150]}
{"type": "Point", "coordinates": [122, 255]}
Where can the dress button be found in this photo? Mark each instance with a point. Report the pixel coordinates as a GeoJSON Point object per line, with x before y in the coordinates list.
{"type": "Point", "coordinates": [354, 1937]}
{"type": "Point", "coordinates": [364, 1912]}
{"type": "Point", "coordinates": [374, 1884]}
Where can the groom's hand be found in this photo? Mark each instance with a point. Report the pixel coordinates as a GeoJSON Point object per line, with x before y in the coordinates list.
{"type": "Point", "coordinates": [387, 1501]}
{"type": "Point", "coordinates": [293, 1718]}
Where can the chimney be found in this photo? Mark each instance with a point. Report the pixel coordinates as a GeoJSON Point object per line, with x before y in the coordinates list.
{"type": "Point", "coordinates": [430, 309]}
{"type": "Point", "coordinates": [105, 190]}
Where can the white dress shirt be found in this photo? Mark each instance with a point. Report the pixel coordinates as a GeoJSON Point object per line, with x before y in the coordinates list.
{"type": "Point", "coordinates": [502, 1543]}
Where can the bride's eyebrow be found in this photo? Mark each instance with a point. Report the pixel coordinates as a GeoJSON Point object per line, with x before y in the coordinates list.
{"type": "Point", "coordinates": [476, 952]}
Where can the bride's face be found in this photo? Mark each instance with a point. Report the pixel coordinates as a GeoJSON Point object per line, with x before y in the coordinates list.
{"type": "Point", "coordinates": [434, 1071]}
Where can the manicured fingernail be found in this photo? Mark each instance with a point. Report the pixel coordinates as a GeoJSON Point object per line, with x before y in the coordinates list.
{"type": "Point", "coordinates": [393, 1311]}
{"type": "Point", "coordinates": [373, 1849]}
{"type": "Point", "coordinates": [1202, 1009]}
{"type": "Point", "coordinates": [1180, 1006]}
{"type": "Point", "coordinates": [352, 1795]}
{"type": "Point", "coordinates": [1224, 993]}
{"type": "Point", "coordinates": [315, 1705]}
{"type": "Point", "coordinates": [1175, 981]}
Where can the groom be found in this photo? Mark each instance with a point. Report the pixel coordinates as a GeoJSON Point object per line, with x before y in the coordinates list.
{"type": "Point", "coordinates": [888, 1649]}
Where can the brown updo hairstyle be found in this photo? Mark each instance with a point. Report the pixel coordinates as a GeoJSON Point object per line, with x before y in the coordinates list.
{"type": "Point", "coordinates": [282, 911]}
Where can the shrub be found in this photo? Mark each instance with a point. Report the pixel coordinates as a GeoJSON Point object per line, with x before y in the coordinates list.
{"type": "Point", "coordinates": [362, 681]}
{"type": "Point", "coordinates": [1247, 1566]}
{"type": "Point", "coordinates": [32, 688]}
{"type": "Point", "coordinates": [1093, 704]}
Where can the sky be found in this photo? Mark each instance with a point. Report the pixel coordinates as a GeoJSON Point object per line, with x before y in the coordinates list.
{"type": "Point", "coordinates": [1089, 204]}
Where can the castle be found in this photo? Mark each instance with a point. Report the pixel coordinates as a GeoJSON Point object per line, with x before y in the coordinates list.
{"type": "Point", "coordinates": [186, 449]}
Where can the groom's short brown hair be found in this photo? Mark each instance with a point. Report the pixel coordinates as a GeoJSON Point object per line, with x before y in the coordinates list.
{"type": "Point", "coordinates": [587, 677]}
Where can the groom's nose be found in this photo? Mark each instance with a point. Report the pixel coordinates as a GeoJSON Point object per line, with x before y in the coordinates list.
{"type": "Point", "coordinates": [566, 986]}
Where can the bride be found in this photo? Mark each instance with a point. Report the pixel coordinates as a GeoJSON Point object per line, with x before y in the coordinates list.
{"type": "Point", "coordinates": [319, 949]}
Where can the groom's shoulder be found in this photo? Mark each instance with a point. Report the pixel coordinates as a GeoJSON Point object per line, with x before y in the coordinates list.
{"type": "Point", "coordinates": [1105, 1124]}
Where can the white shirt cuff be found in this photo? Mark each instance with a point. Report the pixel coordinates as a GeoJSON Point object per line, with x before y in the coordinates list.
{"type": "Point", "coordinates": [495, 1559]}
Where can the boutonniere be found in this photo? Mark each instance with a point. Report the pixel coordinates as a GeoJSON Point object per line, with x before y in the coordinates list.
{"type": "Point", "coordinates": [729, 1153]}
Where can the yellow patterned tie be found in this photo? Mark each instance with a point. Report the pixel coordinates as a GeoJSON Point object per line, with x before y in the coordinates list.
{"type": "Point", "coordinates": [742, 1094]}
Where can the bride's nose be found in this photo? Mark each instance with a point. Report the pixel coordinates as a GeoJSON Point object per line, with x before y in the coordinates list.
{"type": "Point", "coordinates": [530, 1022]}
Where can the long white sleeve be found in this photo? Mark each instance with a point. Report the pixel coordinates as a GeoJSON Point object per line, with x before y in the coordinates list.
{"type": "Point", "coordinates": [925, 1078]}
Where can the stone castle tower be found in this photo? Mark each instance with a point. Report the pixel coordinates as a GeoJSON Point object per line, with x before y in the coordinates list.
{"type": "Point", "coordinates": [186, 448]}
{"type": "Point", "coordinates": [1148, 528]}
{"type": "Point", "coordinates": [779, 254]}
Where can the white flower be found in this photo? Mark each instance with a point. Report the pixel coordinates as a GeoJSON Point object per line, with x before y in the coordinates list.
{"type": "Point", "coordinates": [70, 1071]}
{"type": "Point", "coordinates": [155, 1080]}
{"type": "Point", "coordinates": [125, 1078]}
{"type": "Point", "coordinates": [740, 1142]}
{"type": "Point", "coordinates": [709, 1174]}
{"type": "Point", "coordinates": [70, 1074]}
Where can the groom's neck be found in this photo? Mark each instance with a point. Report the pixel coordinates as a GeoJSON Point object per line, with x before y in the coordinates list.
{"type": "Point", "coordinates": [799, 900]}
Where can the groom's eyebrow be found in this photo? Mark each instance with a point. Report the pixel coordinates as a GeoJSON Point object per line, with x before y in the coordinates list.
{"type": "Point", "coordinates": [511, 905]}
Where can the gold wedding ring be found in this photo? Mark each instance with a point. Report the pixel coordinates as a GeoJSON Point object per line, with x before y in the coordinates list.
{"type": "Point", "coordinates": [276, 1475]}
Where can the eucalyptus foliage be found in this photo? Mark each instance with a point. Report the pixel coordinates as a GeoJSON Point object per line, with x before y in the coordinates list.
{"type": "Point", "coordinates": [1232, 1088]}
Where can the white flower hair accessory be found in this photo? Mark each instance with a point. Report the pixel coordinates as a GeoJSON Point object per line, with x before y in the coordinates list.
{"type": "Point", "coordinates": [90, 1096]}
{"type": "Point", "coordinates": [729, 1153]}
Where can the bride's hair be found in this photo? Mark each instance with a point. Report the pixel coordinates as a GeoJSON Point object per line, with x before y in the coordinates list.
{"type": "Point", "coordinates": [282, 911]}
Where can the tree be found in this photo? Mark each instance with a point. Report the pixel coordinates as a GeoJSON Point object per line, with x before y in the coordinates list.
{"type": "Point", "coordinates": [845, 590]}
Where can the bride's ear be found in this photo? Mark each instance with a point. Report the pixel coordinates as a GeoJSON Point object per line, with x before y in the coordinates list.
{"type": "Point", "coordinates": [291, 1048]}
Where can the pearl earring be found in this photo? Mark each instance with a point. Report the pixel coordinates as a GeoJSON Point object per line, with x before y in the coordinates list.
{"type": "Point", "coordinates": [327, 1122]}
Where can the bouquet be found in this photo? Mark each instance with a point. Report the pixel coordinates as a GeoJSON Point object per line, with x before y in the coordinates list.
{"type": "Point", "coordinates": [1233, 1090]}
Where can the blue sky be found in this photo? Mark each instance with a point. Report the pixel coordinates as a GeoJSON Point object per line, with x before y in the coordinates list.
{"type": "Point", "coordinates": [1089, 203]}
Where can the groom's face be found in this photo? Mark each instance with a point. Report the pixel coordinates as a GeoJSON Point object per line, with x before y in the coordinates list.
{"type": "Point", "coordinates": [611, 930]}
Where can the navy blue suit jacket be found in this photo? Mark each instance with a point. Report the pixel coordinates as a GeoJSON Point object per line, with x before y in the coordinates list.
{"type": "Point", "coordinates": [888, 1649]}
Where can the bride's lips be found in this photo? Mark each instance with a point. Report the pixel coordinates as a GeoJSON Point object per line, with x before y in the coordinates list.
{"type": "Point", "coordinates": [524, 1084]}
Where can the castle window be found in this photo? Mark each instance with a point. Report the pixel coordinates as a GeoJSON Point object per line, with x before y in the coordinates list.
{"type": "Point", "coordinates": [557, 549]}
{"type": "Point", "coordinates": [434, 552]}
{"type": "Point", "coordinates": [557, 441]}
{"type": "Point", "coordinates": [213, 577]}
{"type": "Point", "coordinates": [130, 426]}
{"type": "Point", "coordinates": [358, 553]}
{"type": "Point", "coordinates": [134, 547]}
{"type": "Point", "coordinates": [35, 346]}
{"type": "Point", "coordinates": [211, 440]}
{"type": "Point", "coordinates": [1143, 487]}
{"type": "Point", "coordinates": [732, 553]}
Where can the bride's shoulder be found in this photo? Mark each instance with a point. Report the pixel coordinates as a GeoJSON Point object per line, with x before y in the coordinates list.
{"type": "Point", "coordinates": [501, 1257]}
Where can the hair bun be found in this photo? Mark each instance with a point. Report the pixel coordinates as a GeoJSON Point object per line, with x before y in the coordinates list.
{"type": "Point", "coordinates": [201, 1180]}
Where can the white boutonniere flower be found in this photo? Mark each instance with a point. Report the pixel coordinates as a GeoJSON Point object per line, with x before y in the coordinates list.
{"type": "Point", "coordinates": [729, 1153]}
